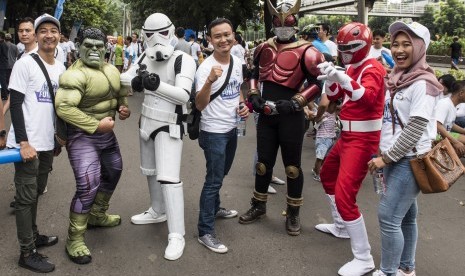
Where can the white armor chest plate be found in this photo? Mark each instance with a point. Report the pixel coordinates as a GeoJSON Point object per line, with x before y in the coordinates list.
{"type": "Point", "coordinates": [165, 70]}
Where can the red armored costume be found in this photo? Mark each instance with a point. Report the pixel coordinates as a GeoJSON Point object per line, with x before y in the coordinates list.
{"type": "Point", "coordinates": [345, 167]}
{"type": "Point", "coordinates": [282, 66]}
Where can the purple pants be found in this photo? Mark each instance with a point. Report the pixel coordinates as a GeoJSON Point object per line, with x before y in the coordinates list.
{"type": "Point", "coordinates": [97, 165]}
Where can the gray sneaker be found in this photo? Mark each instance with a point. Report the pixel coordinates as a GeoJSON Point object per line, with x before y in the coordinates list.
{"type": "Point", "coordinates": [212, 243]}
{"type": "Point", "coordinates": [225, 213]}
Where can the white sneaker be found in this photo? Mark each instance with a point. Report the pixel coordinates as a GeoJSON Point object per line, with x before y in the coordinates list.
{"type": "Point", "coordinates": [277, 181]}
{"type": "Point", "coordinates": [147, 217]}
{"type": "Point", "coordinates": [357, 267]}
{"type": "Point", "coordinates": [271, 190]}
{"type": "Point", "coordinates": [378, 273]}
{"type": "Point", "coordinates": [45, 190]}
{"type": "Point", "coordinates": [402, 273]}
{"type": "Point", "coordinates": [175, 246]}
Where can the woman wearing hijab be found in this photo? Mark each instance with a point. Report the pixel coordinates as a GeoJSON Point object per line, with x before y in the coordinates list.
{"type": "Point", "coordinates": [408, 129]}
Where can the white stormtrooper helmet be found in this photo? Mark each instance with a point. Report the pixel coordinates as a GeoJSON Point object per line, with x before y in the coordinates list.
{"type": "Point", "coordinates": [158, 32]}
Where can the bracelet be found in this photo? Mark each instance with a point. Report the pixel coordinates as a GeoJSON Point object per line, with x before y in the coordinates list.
{"type": "Point", "coordinates": [252, 92]}
{"type": "Point", "coordinates": [208, 79]}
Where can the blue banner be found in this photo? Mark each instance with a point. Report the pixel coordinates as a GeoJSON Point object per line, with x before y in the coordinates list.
{"type": "Point", "coordinates": [59, 9]}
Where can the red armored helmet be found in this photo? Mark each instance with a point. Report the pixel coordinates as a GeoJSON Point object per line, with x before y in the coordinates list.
{"type": "Point", "coordinates": [354, 42]}
{"type": "Point", "coordinates": [284, 19]}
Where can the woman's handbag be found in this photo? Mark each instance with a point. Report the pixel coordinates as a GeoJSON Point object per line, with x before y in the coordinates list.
{"type": "Point", "coordinates": [438, 169]}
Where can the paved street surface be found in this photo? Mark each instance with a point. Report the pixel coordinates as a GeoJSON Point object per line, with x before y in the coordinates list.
{"type": "Point", "coordinates": [261, 248]}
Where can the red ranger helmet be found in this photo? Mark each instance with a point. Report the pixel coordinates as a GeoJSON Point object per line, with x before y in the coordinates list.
{"type": "Point", "coordinates": [354, 42]}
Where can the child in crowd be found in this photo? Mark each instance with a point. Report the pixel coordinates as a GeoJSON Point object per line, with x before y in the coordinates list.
{"type": "Point", "coordinates": [325, 125]}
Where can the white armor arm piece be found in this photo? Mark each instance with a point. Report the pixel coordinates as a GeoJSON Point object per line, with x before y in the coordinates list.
{"type": "Point", "coordinates": [179, 93]}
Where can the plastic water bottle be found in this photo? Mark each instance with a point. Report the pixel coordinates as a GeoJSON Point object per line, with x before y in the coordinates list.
{"type": "Point", "coordinates": [388, 58]}
{"type": "Point", "coordinates": [241, 123]}
{"type": "Point", "coordinates": [378, 180]}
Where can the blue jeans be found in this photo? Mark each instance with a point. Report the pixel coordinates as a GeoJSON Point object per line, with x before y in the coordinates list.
{"type": "Point", "coordinates": [397, 213]}
{"type": "Point", "coordinates": [219, 150]}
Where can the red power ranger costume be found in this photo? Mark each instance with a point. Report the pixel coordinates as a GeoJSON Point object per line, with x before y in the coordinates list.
{"type": "Point", "coordinates": [345, 167]}
{"type": "Point", "coordinates": [282, 65]}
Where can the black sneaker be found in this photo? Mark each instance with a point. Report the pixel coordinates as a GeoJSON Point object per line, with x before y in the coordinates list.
{"type": "Point", "coordinates": [36, 262]}
{"type": "Point", "coordinates": [43, 240]}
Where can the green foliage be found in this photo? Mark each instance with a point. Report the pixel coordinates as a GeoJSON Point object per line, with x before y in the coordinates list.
{"type": "Point", "coordinates": [440, 46]}
{"type": "Point", "coordinates": [103, 14]}
{"type": "Point", "coordinates": [195, 14]}
{"type": "Point", "coordinates": [448, 18]}
{"type": "Point", "coordinates": [458, 74]}
{"type": "Point", "coordinates": [379, 23]}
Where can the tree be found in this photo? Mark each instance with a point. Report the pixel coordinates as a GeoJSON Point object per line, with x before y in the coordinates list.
{"type": "Point", "coordinates": [451, 18]}
{"type": "Point", "coordinates": [379, 23]}
{"type": "Point", "coordinates": [427, 19]}
{"type": "Point", "coordinates": [103, 14]}
{"type": "Point", "coordinates": [195, 14]}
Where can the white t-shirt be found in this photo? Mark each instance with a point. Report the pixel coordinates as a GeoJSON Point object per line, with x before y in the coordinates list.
{"type": "Point", "coordinates": [137, 49]}
{"type": "Point", "coordinates": [220, 115]}
{"type": "Point", "coordinates": [375, 53]}
{"type": "Point", "coordinates": [71, 46]}
{"type": "Point", "coordinates": [60, 54]}
{"type": "Point", "coordinates": [409, 102]}
{"type": "Point", "coordinates": [238, 51]}
{"type": "Point", "coordinates": [21, 47]}
{"type": "Point", "coordinates": [65, 47]}
{"type": "Point", "coordinates": [445, 113]}
{"type": "Point", "coordinates": [460, 110]}
{"type": "Point", "coordinates": [332, 47]}
{"type": "Point", "coordinates": [38, 111]}
{"type": "Point", "coordinates": [195, 48]}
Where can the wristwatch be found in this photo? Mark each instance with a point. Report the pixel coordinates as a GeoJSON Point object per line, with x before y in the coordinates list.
{"type": "Point", "coordinates": [2, 133]}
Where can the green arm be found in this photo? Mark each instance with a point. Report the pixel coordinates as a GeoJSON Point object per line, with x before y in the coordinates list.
{"type": "Point", "coordinates": [67, 99]}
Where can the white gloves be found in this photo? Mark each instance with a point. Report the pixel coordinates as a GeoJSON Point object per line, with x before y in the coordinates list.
{"type": "Point", "coordinates": [330, 74]}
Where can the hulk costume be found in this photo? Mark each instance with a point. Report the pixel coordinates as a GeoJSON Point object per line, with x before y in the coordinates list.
{"type": "Point", "coordinates": [88, 99]}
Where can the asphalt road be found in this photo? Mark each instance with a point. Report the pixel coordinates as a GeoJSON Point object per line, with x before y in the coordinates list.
{"type": "Point", "coordinates": [262, 248]}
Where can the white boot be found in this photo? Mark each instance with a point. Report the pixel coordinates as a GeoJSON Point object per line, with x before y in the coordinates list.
{"type": "Point", "coordinates": [337, 228]}
{"type": "Point", "coordinates": [174, 202]}
{"type": "Point", "coordinates": [363, 261]}
{"type": "Point", "coordinates": [156, 213]}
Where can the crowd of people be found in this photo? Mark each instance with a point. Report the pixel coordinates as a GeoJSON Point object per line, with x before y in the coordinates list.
{"type": "Point", "coordinates": [367, 115]}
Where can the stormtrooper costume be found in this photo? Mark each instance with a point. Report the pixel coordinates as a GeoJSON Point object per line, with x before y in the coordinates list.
{"type": "Point", "coordinates": [345, 167]}
{"type": "Point", "coordinates": [165, 76]}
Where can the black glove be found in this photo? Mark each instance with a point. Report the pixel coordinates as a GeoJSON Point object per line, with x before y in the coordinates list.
{"type": "Point", "coordinates": [258, 103]}
{"type": "Point", "coordinates": [151, 82]}
{"type": "Point", "coordinates": [136, 84]}
{"type": "Point", "coordinates": [285, 106]}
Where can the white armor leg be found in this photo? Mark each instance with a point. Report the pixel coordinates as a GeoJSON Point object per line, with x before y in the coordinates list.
{"type": "Point", "coordinates": [174, 199]}
{"type": "Point", "coordinates": [156, 212]}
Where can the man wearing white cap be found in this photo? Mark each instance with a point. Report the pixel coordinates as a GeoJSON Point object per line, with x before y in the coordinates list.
{"type": "Point", "coordinates": [32, 131]}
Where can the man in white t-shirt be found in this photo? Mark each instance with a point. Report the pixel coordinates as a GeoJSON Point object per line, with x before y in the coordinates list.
{"type": "Point", "coordinates": [324, 35]}
{"type": "Point", "coordinates": [66, 50]}
{"type": "Point", "coordinates": [195, 49]}
{"type": "Point", "coordinates": [445, 114]}
{"type": "Point", "coordinates": [377, 48]}
{"type": "Point", "coordinates": [218, 137]}
{"type": "Point", "coordinates": [32, 131]}
{"type": "Point", "coordinates": [136, 46]}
